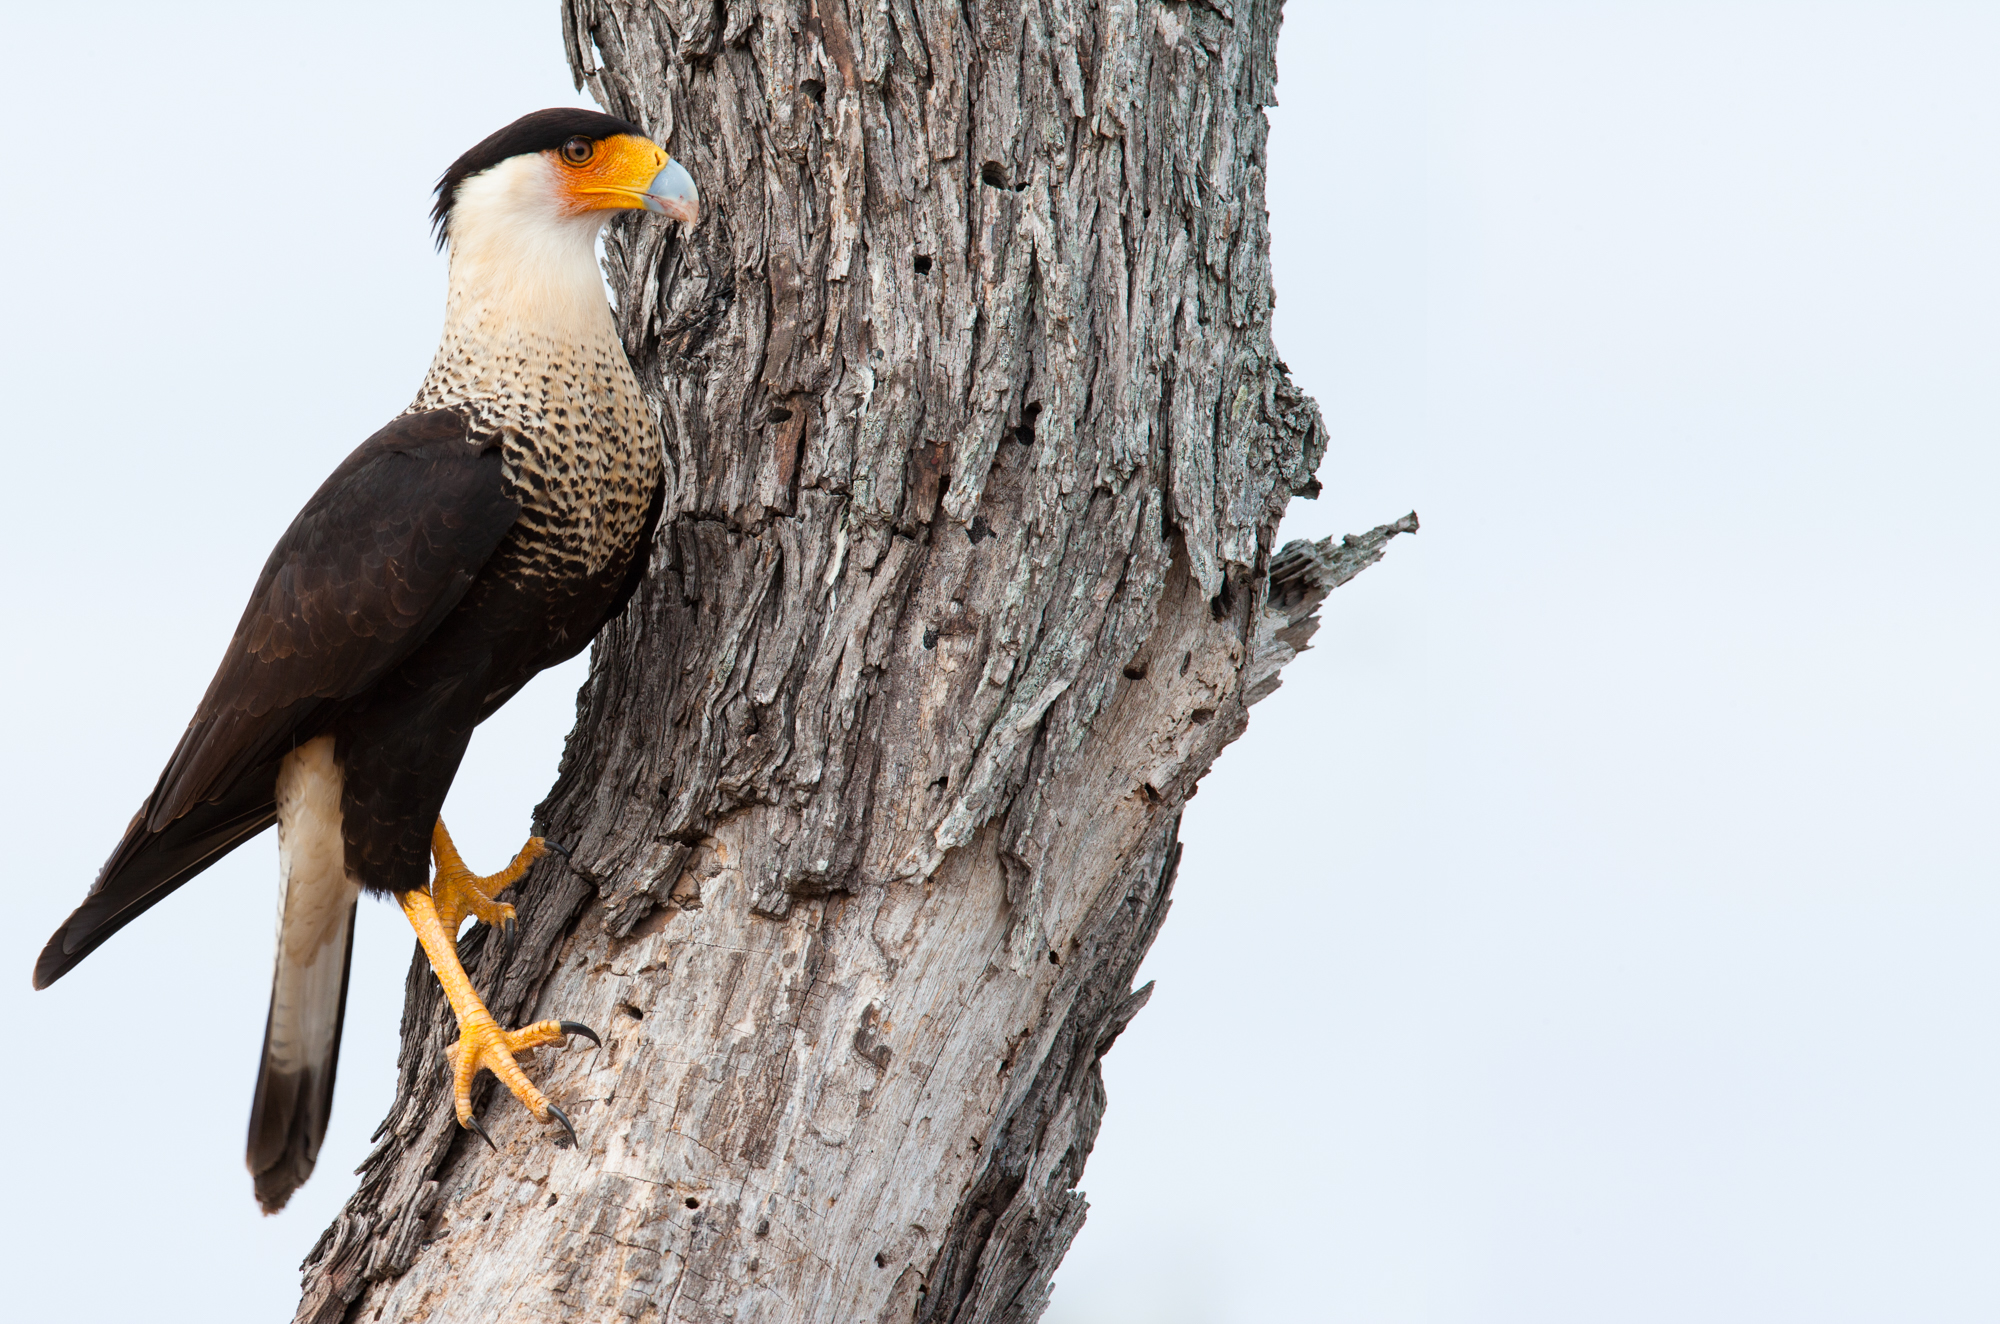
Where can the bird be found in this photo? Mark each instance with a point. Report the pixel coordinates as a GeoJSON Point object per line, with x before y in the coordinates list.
{"type": "Point", "coordinates": [484, 534]}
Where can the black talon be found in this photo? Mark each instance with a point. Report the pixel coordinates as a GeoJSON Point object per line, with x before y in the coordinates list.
{"type": "Point", "coordinates": [563, 1117]}
{"type": "Point", "coordinates": [473, 1123]}
{"type": "Point", "coordinates": [578, 1027]}
{"type": "Point", "coordinates": [507, 931]}
{"type": "Point", "coordinates": [557, 847]}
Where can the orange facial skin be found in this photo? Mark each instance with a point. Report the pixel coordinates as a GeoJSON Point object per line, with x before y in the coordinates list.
{"type": "Point", "coordinates": [615, 176]}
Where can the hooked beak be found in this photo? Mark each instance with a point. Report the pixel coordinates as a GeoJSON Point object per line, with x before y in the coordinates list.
{"type": "Point", "coordinates": [672, 193]}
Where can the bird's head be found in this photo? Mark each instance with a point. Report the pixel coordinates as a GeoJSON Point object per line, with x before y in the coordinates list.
{"type": "Point", "coordinates": [561, 171]}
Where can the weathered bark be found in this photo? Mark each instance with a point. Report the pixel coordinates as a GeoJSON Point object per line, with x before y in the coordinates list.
{"type": "Point", "coordinates": [978, 445]}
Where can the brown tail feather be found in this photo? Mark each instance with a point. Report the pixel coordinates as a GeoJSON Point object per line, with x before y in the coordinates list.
{"type": "Point", "coordinates": [294, 1100]}
{"type": "Point", "coordinates": [148, 865]}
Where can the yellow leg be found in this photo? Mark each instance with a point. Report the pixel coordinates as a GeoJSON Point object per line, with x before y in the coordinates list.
{"type": "Point", "coordinates": [435, 915]}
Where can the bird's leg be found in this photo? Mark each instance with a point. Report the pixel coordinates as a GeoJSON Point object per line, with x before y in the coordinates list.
{"type": "Point", "coordinates": [435, 915]}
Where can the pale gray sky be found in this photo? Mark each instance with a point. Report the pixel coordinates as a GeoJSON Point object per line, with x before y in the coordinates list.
{"type": "Point", "coordinates": [1601, 924]}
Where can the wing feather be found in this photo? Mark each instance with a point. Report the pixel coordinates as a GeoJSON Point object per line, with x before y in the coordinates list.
{"type": "Point", "coordinates": [380, 555]}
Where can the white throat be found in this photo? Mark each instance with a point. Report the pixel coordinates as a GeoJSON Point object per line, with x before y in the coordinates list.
{"type": "Point", "coordinates": [520, 262]}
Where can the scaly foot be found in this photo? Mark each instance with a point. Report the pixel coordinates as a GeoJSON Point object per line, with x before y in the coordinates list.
{"type": "Point", "coordinates": [482, 1043]}
{"type": "Point", "coordinates": [458, 892]}
{"type": "Point", "coordinates": [435, 915]}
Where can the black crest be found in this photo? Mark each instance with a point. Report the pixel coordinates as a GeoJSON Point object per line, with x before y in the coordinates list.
{"type": "Point", "coordinates": [542, 131]}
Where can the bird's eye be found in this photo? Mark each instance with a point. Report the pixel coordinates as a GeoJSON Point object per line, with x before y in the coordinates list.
{"type": "Point", "coordinates": [578, 151]}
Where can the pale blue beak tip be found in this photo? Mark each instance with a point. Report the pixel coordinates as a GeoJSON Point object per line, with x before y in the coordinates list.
{"type": "Point", "coordinates": [672, 193]}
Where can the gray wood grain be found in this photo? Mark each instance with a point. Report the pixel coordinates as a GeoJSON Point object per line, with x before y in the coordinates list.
{"type": "Point", "coordinates": [977, 449]}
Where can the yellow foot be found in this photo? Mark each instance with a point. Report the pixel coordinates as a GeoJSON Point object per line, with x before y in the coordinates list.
{"type": "Point", "coordinates": [458, 892]}
{"type": "Point", "coordinates": [435, 915]}
{"type": "Point", "coordinates": [482, 1043]}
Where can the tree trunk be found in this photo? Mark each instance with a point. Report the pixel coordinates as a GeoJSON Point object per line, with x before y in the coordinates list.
{"type": "Point", "coordinates": [977, 446]}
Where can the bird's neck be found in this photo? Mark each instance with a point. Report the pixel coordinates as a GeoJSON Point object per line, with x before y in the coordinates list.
{"type": "Point", "coordinates": [524, 300]}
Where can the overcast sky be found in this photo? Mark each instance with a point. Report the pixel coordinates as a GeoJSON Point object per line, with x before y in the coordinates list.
{"type": "Point", "coordinates": [1600, 924]}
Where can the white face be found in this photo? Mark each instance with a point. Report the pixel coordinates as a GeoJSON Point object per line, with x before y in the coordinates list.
{"type": "Point", "coordinates": [524, 233]}
{"type": "Point", "coordinates": [520, 206]}
{"type": "Point", "coordinates": [520, 253]}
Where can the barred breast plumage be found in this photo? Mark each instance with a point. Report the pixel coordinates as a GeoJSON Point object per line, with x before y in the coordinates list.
{"type": "Point", "coordinates": [581, 448]}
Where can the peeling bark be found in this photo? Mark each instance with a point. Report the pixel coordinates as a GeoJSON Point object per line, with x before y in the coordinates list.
{"type": "Point", "coordinates": [977, 447]}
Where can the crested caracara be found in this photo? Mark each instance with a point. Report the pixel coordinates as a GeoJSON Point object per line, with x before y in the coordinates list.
{"type": "Point", "coordinates": [483, 535]}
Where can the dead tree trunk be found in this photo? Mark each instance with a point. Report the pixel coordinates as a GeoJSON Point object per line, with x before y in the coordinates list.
{"type": "Point", "coordinates": [977, 448]}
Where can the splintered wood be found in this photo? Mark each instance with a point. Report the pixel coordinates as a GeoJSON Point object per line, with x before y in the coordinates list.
{"type": "Point", "coordinates": [977, 447]}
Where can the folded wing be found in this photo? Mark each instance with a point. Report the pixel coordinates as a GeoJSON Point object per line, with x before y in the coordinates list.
{"type": "Point", "coordinates": [376, 561]}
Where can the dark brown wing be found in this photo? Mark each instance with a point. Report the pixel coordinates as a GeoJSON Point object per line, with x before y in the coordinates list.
{"type": "Point", "coordinates": [377, 559]}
